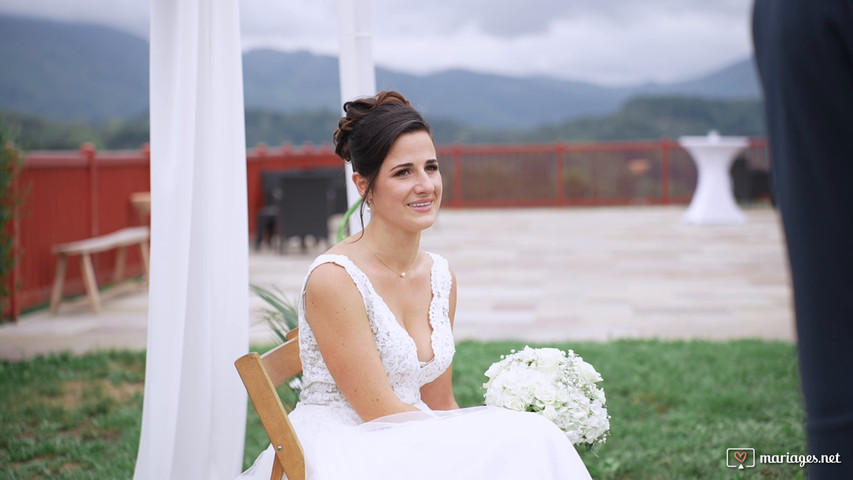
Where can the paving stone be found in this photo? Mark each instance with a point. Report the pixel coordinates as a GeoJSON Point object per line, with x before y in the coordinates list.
{"type": "Point", "coordinates": [537, 275]}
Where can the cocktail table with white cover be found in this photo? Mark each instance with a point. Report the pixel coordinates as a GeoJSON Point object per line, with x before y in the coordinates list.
{"type": "Point", "coordinates": [713, 202]}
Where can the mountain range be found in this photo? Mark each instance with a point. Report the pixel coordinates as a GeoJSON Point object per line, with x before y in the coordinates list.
{"type": "Point", "coordinates": [93, 73]}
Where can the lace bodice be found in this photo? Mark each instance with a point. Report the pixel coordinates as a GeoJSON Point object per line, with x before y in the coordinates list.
{"type": "Point", "coordinates": [397, 349]}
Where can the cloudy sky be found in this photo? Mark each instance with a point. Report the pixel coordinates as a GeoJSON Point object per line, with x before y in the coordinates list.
{"type": "Point", "coordinates": [615, 42]}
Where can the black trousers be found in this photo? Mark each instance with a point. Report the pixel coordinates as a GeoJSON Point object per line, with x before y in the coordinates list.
{"type": "Point", "coordinates": [804, 54]}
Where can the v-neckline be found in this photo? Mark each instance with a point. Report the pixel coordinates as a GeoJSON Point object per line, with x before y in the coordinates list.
{"type": "Point", "coordinates": [395, 321]}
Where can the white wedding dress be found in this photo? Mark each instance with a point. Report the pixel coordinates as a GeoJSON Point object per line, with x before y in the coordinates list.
{"type": "Point", "coordinates": [465, 444]}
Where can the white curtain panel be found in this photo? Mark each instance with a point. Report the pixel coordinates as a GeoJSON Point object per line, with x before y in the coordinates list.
{"type": "Point", "coordinates": [194, 414]}
{"type": "Point", "coordinates": [356, 72]}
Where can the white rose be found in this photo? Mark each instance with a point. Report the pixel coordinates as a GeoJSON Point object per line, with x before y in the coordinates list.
{"type": "Point", "coordinates": [562, 394]}
{"type": "Point", "coordinates": [588, 373]}
{"type": "Point", "coordinates": [546, 394]}
{"type": "Point", "coordinates": [494, 398]}
{"type": "Point", "coordinates": [526, 391]}
{"type": "Point", "coordinates": [549, 360]}
{"type": "Point", "coordinates": [515, 403]}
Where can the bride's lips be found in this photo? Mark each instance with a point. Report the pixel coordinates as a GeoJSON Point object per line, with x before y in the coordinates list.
{"type": "Point", "coordinates": [421, 205]}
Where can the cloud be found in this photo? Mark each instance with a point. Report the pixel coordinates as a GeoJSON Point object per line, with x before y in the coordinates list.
{"type": "Point", "coordinates": [290, 25]}
{"type": "Point", "coordinates": [532, 17]}
{"type": "Point", "coordinates": [614, 42]}
{"type": "Point", "coordinates": [127, 15]}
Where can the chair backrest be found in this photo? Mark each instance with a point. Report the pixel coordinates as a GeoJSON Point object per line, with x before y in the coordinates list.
{"type": "Point", "coordinates": [261, 375]}
{"type": "Point", "coordinates": [304, 206]}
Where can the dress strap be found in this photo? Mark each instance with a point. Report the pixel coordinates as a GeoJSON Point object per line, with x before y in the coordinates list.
{"type": "Point", "coordinates": [440, 278]}
{"type": "Point", "coordinates": [358, 277]}
{"type": "Point", "coordinates": [368, 295]}
{"type": "Point", "coordinates": [440, 281]}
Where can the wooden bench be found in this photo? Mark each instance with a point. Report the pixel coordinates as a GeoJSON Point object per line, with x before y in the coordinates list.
{"type": "Point", "coordinates": [119, 239]}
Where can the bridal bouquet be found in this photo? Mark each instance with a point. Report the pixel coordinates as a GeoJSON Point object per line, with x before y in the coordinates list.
{"type": "Point", "coordinates": [555, 384]}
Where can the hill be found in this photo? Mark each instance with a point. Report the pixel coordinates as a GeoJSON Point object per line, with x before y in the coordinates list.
{"type": "Point", "coordinates": [643, 118]}
{"type": "Point", "coordinates": [71, 71]}
{"type": "Point", "coordinates": [93, 73]}
{"type": "Point", "coordinates": [639, 119]}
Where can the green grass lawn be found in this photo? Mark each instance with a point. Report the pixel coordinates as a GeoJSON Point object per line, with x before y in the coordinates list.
{"type": "Point", "coordinates": [675, 408]}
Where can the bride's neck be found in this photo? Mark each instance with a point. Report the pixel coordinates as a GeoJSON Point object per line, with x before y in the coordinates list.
{"type": "Point", "coordinates": [392, 244]}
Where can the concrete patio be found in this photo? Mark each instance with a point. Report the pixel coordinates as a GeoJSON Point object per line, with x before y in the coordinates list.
{"type": "Point", "coordinates": [539, 275]}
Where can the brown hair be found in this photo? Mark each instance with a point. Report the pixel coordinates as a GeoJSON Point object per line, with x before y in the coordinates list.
{"type": "Point", "coordinates": [369, 128]}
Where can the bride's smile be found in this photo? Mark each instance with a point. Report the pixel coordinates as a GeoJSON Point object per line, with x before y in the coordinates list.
{"type": "Point", "coordinates": [408, 187]}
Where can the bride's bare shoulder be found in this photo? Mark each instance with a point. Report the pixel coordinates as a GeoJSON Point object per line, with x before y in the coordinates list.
{"type": "Point", "coordinates": [331, 278]}
{"type": "Point", "coordinates": [345, 246]}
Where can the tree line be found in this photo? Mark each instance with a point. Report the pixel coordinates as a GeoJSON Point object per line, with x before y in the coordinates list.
{"type": "Point", "coordinates": [640, 118]}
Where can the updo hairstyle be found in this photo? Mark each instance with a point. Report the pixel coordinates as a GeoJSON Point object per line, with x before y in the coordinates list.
{"type": "Point", "coordinates": [369, 128]}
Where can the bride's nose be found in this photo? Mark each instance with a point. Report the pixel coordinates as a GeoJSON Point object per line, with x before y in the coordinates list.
{"type": "Point", "coordinates": [424, 184]}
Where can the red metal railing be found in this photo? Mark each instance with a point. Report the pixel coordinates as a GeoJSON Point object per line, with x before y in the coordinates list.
{"type": "Point", "coordinates": [567, 174]}
{"type": "Point", "coordinates": [76, 195]}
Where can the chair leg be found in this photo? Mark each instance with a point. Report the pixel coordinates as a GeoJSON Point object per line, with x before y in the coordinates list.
{"type": "Point", "coordinates": [277, 470]}
{"type": "Point", "coordinates": [90, 282]}
{"type": "Point", "coordinates": [118, 273]}
{"type": "Point", "coordinates": [143, 250]}
{"type": "Point", "coordinates": [58, 281]}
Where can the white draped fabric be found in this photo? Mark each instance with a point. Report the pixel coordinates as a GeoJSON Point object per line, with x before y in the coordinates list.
{"type": "Point", "coordinates": [194, 414]}
{"type": "Point", "coordinates": [356, 72]}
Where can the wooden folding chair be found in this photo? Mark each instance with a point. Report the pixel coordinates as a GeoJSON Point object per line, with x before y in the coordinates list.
{"type": "Point", "coordinates": [261, 375]}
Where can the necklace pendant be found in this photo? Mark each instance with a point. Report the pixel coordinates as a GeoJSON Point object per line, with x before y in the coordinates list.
{"type": "Point", "coordinates": [403, 274]}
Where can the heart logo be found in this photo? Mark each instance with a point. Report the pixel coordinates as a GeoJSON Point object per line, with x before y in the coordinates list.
{"type": "Point", "coordinates": [740, 456]}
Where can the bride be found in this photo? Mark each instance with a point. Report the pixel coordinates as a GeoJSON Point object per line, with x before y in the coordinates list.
{"type": "Point", "coordinates": [375, 332]}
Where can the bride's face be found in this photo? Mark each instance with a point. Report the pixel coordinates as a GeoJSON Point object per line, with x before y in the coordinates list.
{"type": "Point", "coordinates": [407, 190]}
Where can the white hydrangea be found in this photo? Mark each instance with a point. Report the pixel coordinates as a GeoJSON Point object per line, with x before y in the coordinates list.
{"type": "Point", "coordinates": [558, 385]}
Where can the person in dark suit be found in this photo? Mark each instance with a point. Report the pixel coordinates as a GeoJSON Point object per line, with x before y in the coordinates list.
{"type": "Point", "coordinates": [804, 55]}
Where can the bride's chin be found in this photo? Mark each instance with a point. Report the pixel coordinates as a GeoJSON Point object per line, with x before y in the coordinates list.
{"type": "Point", "coordinates": [422, 223]}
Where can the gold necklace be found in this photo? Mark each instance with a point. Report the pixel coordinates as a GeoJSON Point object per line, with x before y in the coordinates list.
{"type": "Point", "coordinates": [400, 274]}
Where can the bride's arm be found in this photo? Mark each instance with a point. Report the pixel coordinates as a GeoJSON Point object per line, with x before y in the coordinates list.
{"type": "Point", "coordinates": [438, 394]}
{"type": "Point", "coordinates": [335, 311]}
